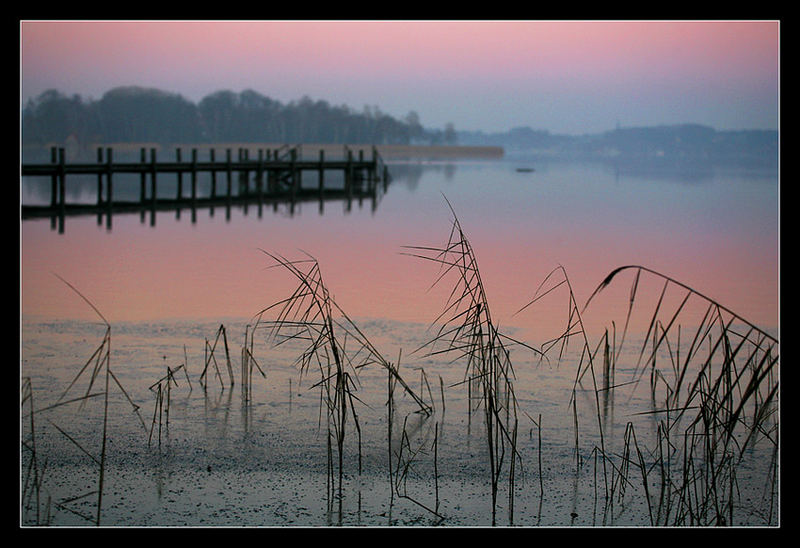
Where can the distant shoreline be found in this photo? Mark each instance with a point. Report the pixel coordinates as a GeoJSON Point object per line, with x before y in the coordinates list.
{"type": "Point", "coordinates": [440, 151]}
{"type": "Point", "coordinates": [387, 152]}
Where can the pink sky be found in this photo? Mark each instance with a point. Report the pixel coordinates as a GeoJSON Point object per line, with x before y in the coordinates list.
{"type": "Point", "coordinates": [570, 77]}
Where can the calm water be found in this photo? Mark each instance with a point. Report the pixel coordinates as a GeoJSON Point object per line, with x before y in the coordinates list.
{"type": "Point", "coordinates": [715, 231]}
{"type": "Point", "coordinates": [166, 283]}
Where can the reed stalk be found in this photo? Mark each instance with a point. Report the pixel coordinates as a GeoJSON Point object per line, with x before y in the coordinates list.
{"type": "Point", "coordinates": [467, 330]}
{"type": "Point", "coordinates": [100, 362]}
{"type": "Point", "coordinates": [407, 460]}
{"type": "Point", "coordinates": [311, 316]}
{"type": "Point", "coordinates": [210, 358]}
{"type": "Point", "coordinates": [31, 488]}
{"type": "Point", "coordinates": [725, 396]}
{"type": "Point", "coordinates": [575, 328]}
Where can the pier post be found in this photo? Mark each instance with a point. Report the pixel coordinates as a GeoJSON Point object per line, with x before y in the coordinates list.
{"type": "Point", "coordinates": [143, 182]}
{"type": "Point", "coordinates": [321, 172]}
{"type": "Point", "coordinates": [99, 177]}
{"type": "Point", "coordinates": [180, 176]}
{"type": "Point", "coordinates": [61, 181]}
{"type": "Point", "coordinates": [270, 173]}
{"type": "Point", "coordinates": [109, 185]}
{"type": "Point", "coordinates": [294, 176]}
{"type": "Point", "coordinates": [373, 170]}
{"type": "Point", "coordinates": [228, 169]}
{"type": "Point", "coordinates": [54, 178]}
{"type": "Point", "coordinates": [274, 179]}
{"type": "Point", "coordinates": [213, 174]}
{"type": "Point", "coordinates": [99, 187]}
{"type": "Point", "coordinates": [263, 157]}
{"type": "Point", "coordinates": [153, 176]}
{"type": "Point", "coordinates": [247, 171]}
{"type": "Point", "coordinates": [348, 178]}
{"type": "Point", "coordinates": [213, 193]}
{"type": "Point", "coordinates": [299, 157]}
{"type": "Point", "coordinates": [194, 185]}
{"type": "Point", "coordinates": [194, 175]}
{"type": "Point", "coordinates": [109, 180]}
{"type": "Point", "coordinates": [239, 159]}
{"type": "Point", "coordinates": [244, 184]}
{"type": "Point", "coordinates": [259, 178]}
{"type": "Point", "coordinates": [360, 177]}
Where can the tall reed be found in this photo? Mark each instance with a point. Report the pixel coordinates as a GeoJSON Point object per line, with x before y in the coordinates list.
{"type": "Point", "coordinates": [311, 316]}
{"type": "Point", "coordinates": [100, 362]}
{"type": "Point", "coordinates": [163, 390]}
{"type": "Point", "coordinates": [575, 328]}
{"type": "Point", "coordinates": [722, 391]}
{"type": "Point", "coordinates": [210, 358]}
{"type": "Point", "coordinates": [32, 469]}
{"type": "Point", "coordinates": [466, 329]}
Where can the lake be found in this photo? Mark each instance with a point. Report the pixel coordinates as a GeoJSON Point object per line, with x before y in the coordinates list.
{"type": "Point", "coordinates": [224, 456]}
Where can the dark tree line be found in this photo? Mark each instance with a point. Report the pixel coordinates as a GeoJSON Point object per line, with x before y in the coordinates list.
{"type": "Point", "coordinates": [135, 114]}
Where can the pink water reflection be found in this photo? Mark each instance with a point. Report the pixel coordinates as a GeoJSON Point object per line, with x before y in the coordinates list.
{"type": "Point", "coordinates": [214, 269]}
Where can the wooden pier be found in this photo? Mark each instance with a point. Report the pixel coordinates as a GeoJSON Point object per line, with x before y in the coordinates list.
{"type": "Point", "coordinates": [273, 176]}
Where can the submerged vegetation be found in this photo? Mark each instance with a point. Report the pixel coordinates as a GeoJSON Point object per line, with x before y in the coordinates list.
{"type": "Point", "coordinates": [709, 410]}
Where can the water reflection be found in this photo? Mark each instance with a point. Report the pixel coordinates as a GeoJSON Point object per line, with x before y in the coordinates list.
{"type": "Point", "coordinates": [718, 234]}
{"type": "Point", "coordinates": [171, 199]}
{"type": "Point", "coordinates": [688, 171]}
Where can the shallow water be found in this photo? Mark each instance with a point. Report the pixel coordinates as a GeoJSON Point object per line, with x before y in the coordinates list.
{"type": "Point", "coordinates": [219, 460]}
{"type": "Point", "coordinates": [222, 460]}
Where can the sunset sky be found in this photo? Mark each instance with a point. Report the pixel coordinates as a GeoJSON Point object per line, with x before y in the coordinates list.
{"type": "Point", "coordinates": [567, 77]}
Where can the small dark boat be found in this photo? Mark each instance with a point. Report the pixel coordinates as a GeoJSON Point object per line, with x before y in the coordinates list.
{"type": "Point", "coordinates": [525, 169]}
